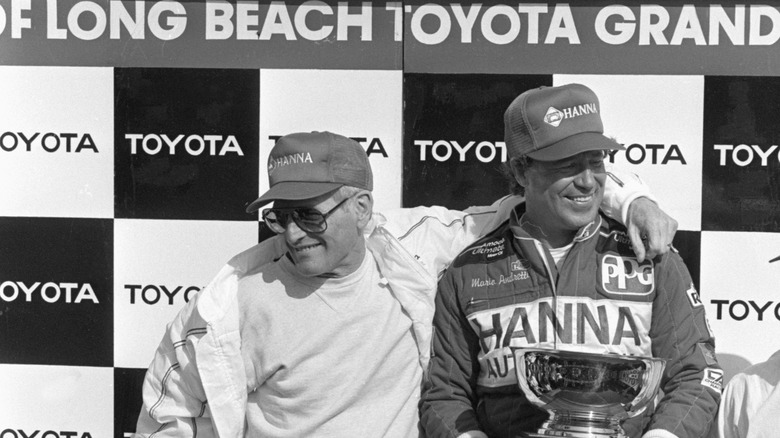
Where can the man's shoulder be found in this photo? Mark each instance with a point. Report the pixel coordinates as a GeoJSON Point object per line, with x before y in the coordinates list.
{"type": "Point", "coordinates": [765, 373]}
{"type": "Point", "coordinates": [261, 276]}
{"type": "Point", "coordinates": [253, 265]}
{"type": "Point", "coordinates": [614, 234]}
{"type": "Point", "coordinates": [405, 221]}
{"type": "Point", "coordinates": [614, 238]}
{"type": "Point", "coordinates": [609, 224]}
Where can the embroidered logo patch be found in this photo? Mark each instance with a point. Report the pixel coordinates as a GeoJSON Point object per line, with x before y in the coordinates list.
{"type": "Point", "coordinates": [713, 378]}
{"type": "Point", "coordinates": [520, 265]}
{"type": "Point", "coordinates": [489, 249]}
{"type": "Point", "coordinates": [626, 276]}
{"type": "Point", "coordinates": [693, 296]}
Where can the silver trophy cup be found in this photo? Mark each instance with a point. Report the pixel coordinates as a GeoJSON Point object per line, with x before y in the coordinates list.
{"type": "Point", "coordinates": [587, 395]}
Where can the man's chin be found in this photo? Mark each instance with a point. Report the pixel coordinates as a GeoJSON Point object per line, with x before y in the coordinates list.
{"type": "Point", "coordinates": [305, 268]}
{"type": "Point", "coordinates": [308, 271]}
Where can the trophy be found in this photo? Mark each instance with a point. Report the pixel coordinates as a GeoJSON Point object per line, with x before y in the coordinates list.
{"type": "Point", "coordinates": [587, 395]}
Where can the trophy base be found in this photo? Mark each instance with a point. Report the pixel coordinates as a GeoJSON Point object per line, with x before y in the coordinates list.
{"type": "Point", "coordinates": [575, 427]}
{"type": "Point", "coordinates": [570, 434]}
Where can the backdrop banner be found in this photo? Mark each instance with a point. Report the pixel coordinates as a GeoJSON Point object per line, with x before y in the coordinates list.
{"type": "Point", "coordinates": [134, 133]}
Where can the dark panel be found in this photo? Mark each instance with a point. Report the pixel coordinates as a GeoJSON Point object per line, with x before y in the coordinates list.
{"type": "Point", "coordinates": [128, 397]}
{"type": "Point", "coordinates": [186, 143]}
{"type": "Point", "coordinates": [453, 137]}
{"type": "Point", "coordinates": [688, 244]}
{"type": "Point", "coordinates": [741, 166]}
{"type": "Point", "coordinates": [56, 299]}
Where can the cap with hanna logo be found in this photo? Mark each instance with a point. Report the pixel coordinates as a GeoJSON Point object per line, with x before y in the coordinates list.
{"type": "Point", "coordinates": [553, 123]}
{"type": "Point", "coordinates": [305, 165]}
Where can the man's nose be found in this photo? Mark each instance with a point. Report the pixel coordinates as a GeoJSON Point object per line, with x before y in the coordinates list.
{"type": "Point", "coordinates": [292, 231]}
{"type": "Point", "coordinates": [586, 178]}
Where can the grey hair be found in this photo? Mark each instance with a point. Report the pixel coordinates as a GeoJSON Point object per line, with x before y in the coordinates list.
{"type": "Point", "coordinates": [352, 205]}
{"type": "Point", "coordinates": [347, 191]}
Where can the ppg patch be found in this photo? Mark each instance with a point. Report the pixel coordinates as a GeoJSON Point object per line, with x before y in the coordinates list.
{"type": "Point", "coordinates": [693, 296]}
{"type": "Point", "coordinates": [626, 276]}
{"type": "Point", "coordinates": [713, 378]}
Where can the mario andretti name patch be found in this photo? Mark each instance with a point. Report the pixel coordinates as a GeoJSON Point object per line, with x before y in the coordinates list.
{"type": "Point", "coordinates": [623, 275]}
{"type": "Point", "coordinates": [519, 271]}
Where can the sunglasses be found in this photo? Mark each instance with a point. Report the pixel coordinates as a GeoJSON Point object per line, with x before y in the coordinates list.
{"type": "Point", "coordinates": [308, 219]}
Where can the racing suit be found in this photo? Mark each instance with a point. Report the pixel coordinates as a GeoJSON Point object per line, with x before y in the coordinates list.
{"type": "Point", "coordinates": [505, 291]}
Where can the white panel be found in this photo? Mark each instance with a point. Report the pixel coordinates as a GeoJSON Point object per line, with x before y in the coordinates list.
{"type": "Point", "coordinates": [66, 166]}
{"type": "Point", "coordinates": [741, 288]}
{"type": "Point", "coordinates": [58, 399]}
{"type": "Point", "coordinates": [158, 265]}
{"type": "Point", "coordinates": [659, 119]}
{"type": "Point", "coordinates": [356, 104]}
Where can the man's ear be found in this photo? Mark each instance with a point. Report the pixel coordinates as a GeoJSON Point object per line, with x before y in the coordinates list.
{"type": "Point", "coordinates": [364, 207]}
{"type": "Point", "coordinates": [520, 174]}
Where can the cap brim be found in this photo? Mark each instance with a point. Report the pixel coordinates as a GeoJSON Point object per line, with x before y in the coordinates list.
{"type": "Point", "coordinates": [292, 191]}
{"type": "Point", "coordinates": [578, 143]}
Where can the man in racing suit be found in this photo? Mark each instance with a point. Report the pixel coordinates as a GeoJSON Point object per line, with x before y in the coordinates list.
{"type": "Point", "coordinates": [560, 275]}
{"type": "Point", "coordinates": [200, 382]}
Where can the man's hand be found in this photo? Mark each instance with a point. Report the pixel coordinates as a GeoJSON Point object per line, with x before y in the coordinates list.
{"type": "Point", "coordinates": [650, 229]}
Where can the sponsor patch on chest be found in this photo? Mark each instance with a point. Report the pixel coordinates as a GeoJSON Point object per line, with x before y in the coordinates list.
{"type": "Point", "coordinates": [489, 249]}
{"type": "Point", "coordinates": [626, 276]}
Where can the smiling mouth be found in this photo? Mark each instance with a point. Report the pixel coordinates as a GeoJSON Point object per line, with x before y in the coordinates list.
{"type": "Point", "coordinates": [581, 199]}
{"type": "Point", "coordinates": [305, 248]}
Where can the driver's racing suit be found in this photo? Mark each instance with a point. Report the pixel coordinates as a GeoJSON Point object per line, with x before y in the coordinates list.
{"type": "Point", "coordinates": [504, 291]}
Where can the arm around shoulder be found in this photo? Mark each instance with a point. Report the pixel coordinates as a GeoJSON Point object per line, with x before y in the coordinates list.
{"type": "Point", "coordinates": [621, 189]}
{"type": "Point", "coordinates": [628, 199]}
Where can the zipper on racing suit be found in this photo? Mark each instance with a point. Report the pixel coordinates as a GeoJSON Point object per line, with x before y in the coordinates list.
{"type": "Point", "coordinates": [540, 249]}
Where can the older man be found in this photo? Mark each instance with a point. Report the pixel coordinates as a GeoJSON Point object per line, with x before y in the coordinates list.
{"type": "Point", "coordinates": [325, 329]}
